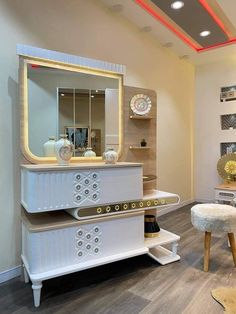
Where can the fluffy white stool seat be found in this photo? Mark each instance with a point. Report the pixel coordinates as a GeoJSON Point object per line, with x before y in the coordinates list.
{"type": "Point", "coordinates": [214, 217]}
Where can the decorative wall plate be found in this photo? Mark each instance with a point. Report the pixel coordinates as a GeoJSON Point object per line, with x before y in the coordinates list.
{"type": "Point", "coordinates": [140, 104]}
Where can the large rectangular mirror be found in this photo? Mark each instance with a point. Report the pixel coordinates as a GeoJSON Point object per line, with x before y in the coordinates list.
{"type": "Point", "coordinates": [82, 103]}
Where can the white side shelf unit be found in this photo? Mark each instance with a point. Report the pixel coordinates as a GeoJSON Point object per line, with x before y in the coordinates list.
{"type": "Point", "coordinates": [158, 252]}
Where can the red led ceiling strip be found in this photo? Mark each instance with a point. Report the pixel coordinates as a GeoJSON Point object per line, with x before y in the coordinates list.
{"type": "Point", "coordinates": [229, 42]}
{"type": "Point", "coordinates": [206, 6]}
{"type": "Point", "coordinates": [214, 16]}
{"type": "Point", "coordinates": [167, 24]}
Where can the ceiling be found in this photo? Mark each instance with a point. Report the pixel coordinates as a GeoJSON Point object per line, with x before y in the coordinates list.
{"type": "Point", "coordinates": [179, 31]}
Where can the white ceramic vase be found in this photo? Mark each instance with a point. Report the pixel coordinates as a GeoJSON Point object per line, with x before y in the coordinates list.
{"type": "Point", "coordinates": [63, 150]}
{"type": "Point", "coordinates": [49, 147]}
{"type": "Point", "coordinates": [110, 156]}
{"type": "Point", "coordinates": [89, 152]}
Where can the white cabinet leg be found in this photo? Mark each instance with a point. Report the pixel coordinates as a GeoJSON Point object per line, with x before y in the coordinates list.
{"type": "Point", "coordinates": [174, 248]}
{"type": "Point", "coordinates": [25, 274]}
{"type": "Point", "coordinates": [36, 286]}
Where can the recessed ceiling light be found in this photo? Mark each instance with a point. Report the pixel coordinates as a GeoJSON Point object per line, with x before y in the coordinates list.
{"type": "Point", "coordinates": [205, 33]}
{"type": "Point", "coordinates": [62, 94]}
{"type": "Point", "coordinates": [176, 5]}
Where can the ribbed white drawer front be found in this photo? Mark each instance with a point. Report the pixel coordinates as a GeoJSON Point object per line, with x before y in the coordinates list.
{"type": "Point", "coordinates": [52, 249]}
{"type": "Point", "coordinates": [54, 190]}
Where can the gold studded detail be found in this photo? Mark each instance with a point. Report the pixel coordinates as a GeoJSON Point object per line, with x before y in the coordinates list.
{"type": "Point", "coordinates": [99, 210]}
{"type": "Point", "coordinates": [125, 206]}
{"type": "Point", "coordinates": [108, 209]}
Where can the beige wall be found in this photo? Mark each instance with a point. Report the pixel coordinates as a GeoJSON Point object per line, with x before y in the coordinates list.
{"type": "Point", "coordinates": [208, 134]}
{"type": "Point", "coordinates": [88, 29]}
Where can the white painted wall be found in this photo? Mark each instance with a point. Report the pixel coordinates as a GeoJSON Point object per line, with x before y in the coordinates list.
{"type": "Point", "coordinates": [87, 28]}
{"type": "Point", "coordinates": [208, 134]}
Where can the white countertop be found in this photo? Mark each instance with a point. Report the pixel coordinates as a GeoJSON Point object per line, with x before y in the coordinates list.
{"type": "Point", "coordinates": [75, 166]}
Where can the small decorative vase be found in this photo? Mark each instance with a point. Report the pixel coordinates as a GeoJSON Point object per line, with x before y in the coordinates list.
{"type": "Point", "coordinates": [64, 150]}
{"type": "Point", "coordinates": [110, 156]}
{"type": "Point", "coordinates": [89, 152]}
{"type": "Point", "coordinates": [151, 228]}
{"type": "Point", "coordinates": [143, 143]}
{"type": "Point", "coordinates": [49, 147]}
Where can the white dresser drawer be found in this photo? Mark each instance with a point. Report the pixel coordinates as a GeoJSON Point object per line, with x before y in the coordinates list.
{"type": "Point", "coordinates": [51, 249]}
{"type": "Point", "coordinates": [52, 189]}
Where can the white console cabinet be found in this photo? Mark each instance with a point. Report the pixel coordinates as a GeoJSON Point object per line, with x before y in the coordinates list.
{"type": "Point", "coordinates": [107, 229]}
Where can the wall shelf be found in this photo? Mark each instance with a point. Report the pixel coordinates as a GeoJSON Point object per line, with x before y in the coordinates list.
{"type": "Point", "coordinates": [140, 117]}
{"type": "Point", "coordinates": [139, 147]}
{"type": "Point", "coordinates": [228, 121]}
{"type": "Point", "coordinates": [226, 148]}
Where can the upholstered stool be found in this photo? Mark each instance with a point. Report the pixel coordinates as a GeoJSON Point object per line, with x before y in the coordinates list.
{"type": "Point", "coordinates": [214, 218]}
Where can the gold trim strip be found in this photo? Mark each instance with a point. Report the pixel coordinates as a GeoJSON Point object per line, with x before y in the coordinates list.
{"type": "Point", "coordinates": [126, 206]}
{"type": "Point", "coordinates": [152, 235]}
{"type": "Point", "coordinates": [149, 219]}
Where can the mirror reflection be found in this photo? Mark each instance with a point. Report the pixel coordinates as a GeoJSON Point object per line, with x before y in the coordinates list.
{"type": "Point", "coordinates": [83, 106]}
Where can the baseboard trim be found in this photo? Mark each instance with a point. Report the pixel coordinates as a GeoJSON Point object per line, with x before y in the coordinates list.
{"type": "Point", "coordinates": [169, 209]}
{"type": "Point", "coordinates": [10, 274]}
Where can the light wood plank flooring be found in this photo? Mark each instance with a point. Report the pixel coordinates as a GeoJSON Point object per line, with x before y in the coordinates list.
{"type": "Point", "coordinates": [137, 285]}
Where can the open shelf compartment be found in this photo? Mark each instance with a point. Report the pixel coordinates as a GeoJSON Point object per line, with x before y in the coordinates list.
{"type": "Point", "coordinates": [158, 252]}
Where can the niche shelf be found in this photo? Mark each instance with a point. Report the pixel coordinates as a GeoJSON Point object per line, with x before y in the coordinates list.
{"type": "Point", "coordinates": [228, 121]}
{"type": "Point", "coordinates": [226, 148]}
{"type": "Point", "coordinates": [139, 117]}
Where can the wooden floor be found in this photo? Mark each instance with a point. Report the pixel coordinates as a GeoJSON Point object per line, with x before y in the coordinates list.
{"type": "Point", "coordinates": [137, 285]}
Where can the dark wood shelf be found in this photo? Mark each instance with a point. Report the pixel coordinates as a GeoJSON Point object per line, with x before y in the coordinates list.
{"type": "Point", "coordinates": [133, 117]}
{"type": "Point", "coordinates": [140, 147]}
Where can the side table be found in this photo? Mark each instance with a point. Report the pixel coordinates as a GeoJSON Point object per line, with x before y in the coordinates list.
{"type": "Point", "coordinates": [225, 193]}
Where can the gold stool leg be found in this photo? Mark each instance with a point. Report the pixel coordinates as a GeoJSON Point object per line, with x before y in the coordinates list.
{"type": "Point", "coordinates": [207, 245]}
{"type": "Point", "coordinates": [233, 246]}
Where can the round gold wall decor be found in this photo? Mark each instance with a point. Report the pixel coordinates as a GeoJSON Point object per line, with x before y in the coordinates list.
{"type": "Point", "coordinates": [226, 167]}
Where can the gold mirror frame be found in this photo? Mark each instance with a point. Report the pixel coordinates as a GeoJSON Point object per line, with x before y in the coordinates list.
{"type": "Point", "coordinates": [23, 91]}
